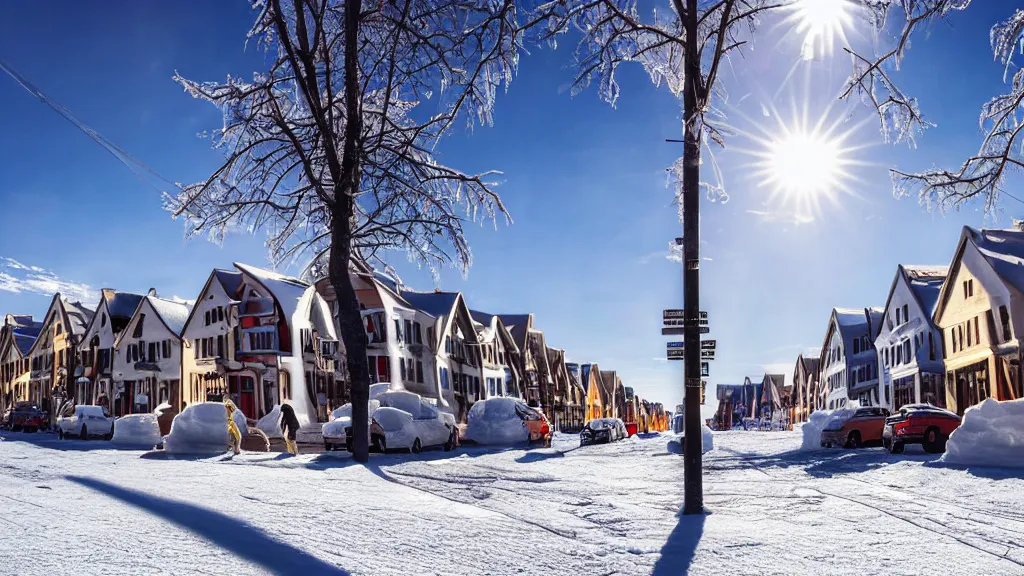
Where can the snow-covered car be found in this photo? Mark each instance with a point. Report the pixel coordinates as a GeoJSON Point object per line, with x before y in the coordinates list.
{"type": "Point", "coordinates": [138, 430]}
{"type": "Point", "coordinates": [506, 421]}
{"type": "Point", "coordinates": [202, 429]}
{"type": "Point", "coordinates": [84, 422]}
{"type": "Point", "coordinates": [27, 416]}
{"type": "Point", "coordinates": [397, 429]}
{"type": "Point", "coordinates": [602, 430]}
{"type": "Point", "coordinates": [336, 431]}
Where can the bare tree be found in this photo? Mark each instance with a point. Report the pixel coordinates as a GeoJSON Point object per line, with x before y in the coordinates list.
{"type": "Point", "coordinates": [683, 48]}
{"type": "Point", "coordinates": [1001, 121]}
{"type": "Point", "coordinates": [331, 150]}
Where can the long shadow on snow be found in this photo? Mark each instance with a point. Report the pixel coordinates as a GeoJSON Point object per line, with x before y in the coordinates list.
{"type": "Point", "coordinates": [678, 551]}
{"type": "Point", "coordinates": [825, 463]}
{"type": "Point", "coordinates": [52, 442]}
{"type": "Point", "coordinates": [991, 473]}
{"type": "Point", "coordinates": [328, 460]}
{"type": "Point", "coordinates": [231, 534]}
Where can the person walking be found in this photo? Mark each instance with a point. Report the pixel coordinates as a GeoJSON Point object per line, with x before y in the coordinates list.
{"type": "Point", "coordinates": [233, 432]}
{"type": "Point", "coordinates": [289, 427]}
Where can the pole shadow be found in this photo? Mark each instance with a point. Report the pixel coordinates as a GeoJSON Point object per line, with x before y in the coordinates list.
{"type": "Point", "coordinates": [236, 536]}
{"type": "Point", "coordinates": [678, 552]}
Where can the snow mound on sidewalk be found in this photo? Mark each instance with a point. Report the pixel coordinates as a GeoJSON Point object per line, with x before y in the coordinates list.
{"type": "Point", "coordinates": [494, 421]}
{"type": "Point", "coordinates": [707, 438]}
{"type": "Point", "coordinates": [991, 434]}
{"type": "Point", "coordinates": [818, 421]}
{"type": "Point", "coordinates": [271, 423]}
{"type": "Point", "coordinates": [201, 429]}
{"type": "Point", "coordinates": [137, 430]}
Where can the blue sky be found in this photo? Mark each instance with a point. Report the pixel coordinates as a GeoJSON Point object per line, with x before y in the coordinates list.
{"type": "Point", "coordinates": [585, 184]}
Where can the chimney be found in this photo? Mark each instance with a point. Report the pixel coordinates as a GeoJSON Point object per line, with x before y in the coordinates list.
{"type": "Point", "coordinates": [152, 292]}
{"type": "Point", "coordinates": [108, 293]}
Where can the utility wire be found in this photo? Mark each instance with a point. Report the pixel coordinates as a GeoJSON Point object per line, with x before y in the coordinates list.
{"type": "Point", "coordinates": [132, 163]}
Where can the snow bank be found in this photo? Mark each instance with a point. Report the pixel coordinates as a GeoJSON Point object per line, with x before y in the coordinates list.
{"type": "Point", "coordinates": [200, 429]}
{"type": "Point", "coordinates": [271, 423]}
{"type": "Point", "coordinates": [707, 441]}
{"type": "Point", "coordinates": [991, 434]}
{"type": "Point", "coordinates": [140, 430]}
{"type": "Point", "coordinates": [820, 420]}
{"type": "Point", "coordinates": [494, 421]}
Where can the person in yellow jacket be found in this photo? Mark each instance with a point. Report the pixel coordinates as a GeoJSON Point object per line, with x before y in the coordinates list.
{"type": "Point", "coordinates": [233, 432]}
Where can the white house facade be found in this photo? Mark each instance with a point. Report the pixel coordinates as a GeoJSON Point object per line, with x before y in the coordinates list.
{"type": "Point", "coordinates": [96, 351]}
{"type": "Point", "coordinates": [147, 357]}
{"type": "Point", "coordinates": [848, 363]}
{"type": "Point", "coordinates": [909, 345]}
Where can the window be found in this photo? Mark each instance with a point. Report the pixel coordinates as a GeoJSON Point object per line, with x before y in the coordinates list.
{"type": "Point", "coordinates": [906, 351]}
{"type": "Point", "coordinates": [220, 313]}
{"type": "Point", "coordinates": [220, 345]}
{"type": "Point", "coordinates": [417, 337]}
{"type": "Point", "coordinates": [408, 331]}
{"type": "Point", "coordinates": [476, 385]}
{"type": "Point", "coordinates": [969, 333]}
{"type": "Point", "coordinates": [206, 317]}
{"type": "Point", "coordinates": [952, 339]}
{"type": "Point", "coordinates": [856, 346]}
{"type": "Point", "coordinates": [259, 340]}
{"type": "Point", "coordinates": [195, 348]}
{"type": "Point", "coordinates": [103, 320]}
{"type": "Point", "coordinates": [965, 289]}
{"type": "Point", "coordinates": [906, 314]}
{"type": "Point", "coordinates": [960, 329]}
{"type": "Point", "coordinates": [931, 347]}
{"type": "Point", "coordinates": [1004, 320]}
{"type": "Point", "coordinates": [899, 315]}
{"type": "Point", "coordinates": [970, 287]}
{"type": "Point", "coordinates": [401, 365]}
{"type": "Point", "coordinates": [444, 379]}
{"type": "Point", "coordinates": [398, 331]}
{"type": "Point", "coordinates": [166, 349]}
{"type": "Point", "coordinates": [448, 344]}
{"type": "Point", "coordinates": [411, 369]}
{"type": "Point", "coordinates": [419, 371]}
{"type": "Point", "coordinates": [977, 331]}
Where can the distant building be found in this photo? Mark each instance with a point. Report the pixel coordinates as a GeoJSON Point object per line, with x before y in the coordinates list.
{"type": "Point", "coordinates": [17, 335]}
{"type": "Point", "coordinates": [849, 365]}
{"type": "Point", "coordinates": [805, 381]}
{"type": "Point", "coordinates": [908, 344]}
{"type": "Point", "coordinates": [53, 356]}
{"type": "Point", "coordinates": [96, 351]}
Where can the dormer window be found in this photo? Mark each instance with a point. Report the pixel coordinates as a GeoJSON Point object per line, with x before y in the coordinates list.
{"type": "Point", "coordinates": [137, 333]}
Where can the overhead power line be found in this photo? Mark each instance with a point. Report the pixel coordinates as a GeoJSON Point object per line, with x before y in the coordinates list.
{"type": "Point", "coordinates": [138, 167]}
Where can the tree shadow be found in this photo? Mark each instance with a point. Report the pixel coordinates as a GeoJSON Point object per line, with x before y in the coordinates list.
{"type": "Point", "coordinates": [989, 472]}
{"type": "Point", "coordinates": [50, 441]}
{"type": "Point", "coordinates": [827, 463]}
{"type": "Point", "coordinates": [531, 457]}
{"type": "Point", "coordinates": [678, 552]}
{"type": "Point", "coordinates": [234, 535]}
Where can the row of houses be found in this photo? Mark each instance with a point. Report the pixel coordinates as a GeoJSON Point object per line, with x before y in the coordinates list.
{"type": "Point", "coordinates": [950, 336]}
{"type": "Point", "coordinates": [261, 338]}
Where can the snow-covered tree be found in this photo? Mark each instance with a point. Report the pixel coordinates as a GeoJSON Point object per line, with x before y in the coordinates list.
{"type": "Point", "coordinates": [331, 149]}
{"type": "Point", "coordinates": [982, 175]}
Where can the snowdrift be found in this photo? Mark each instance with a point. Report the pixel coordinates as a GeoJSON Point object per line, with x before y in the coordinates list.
{"type": "Point", "coordinates": [201, 429]}
{"type": "Point", "coordinates": [141, 430]}
{"type": "Point", "coordinates": [271, 423]}
{"type": "Point", "coordinates": [991, 434]}
{"type": "Point", "coordinates": [707, 438]}
{"type": "Point", "coordinates": [494, 421]}
{"type": "Point", "coordinates": [819, 421]}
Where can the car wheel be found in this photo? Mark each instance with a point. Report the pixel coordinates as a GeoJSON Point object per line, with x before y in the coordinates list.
{"type": "Point", "coordinates": [450, 444]}
{"type": "Point", "coordinates": [382, 444]}
{"type": "Point", "coordinates": [109, 436]}
{"type": "Point", "coordinates": [60, 434]}
{"type": "Point", "coordinates": [84, 434]}
{"type": "Point", "coordinates": [853, 440]}
{"type": "Point", "coordinates": [896, 448]}
{"type": "Point", "coordinates": [933, 443]}
{"type": "Point", "coordinates": [416, 446]}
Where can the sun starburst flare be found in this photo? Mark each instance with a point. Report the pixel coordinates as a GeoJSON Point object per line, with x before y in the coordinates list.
{"type": "Point", "coordinates": [820, 23]}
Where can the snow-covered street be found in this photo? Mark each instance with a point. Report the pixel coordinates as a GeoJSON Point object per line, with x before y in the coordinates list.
{"type": "Point", "coordinates": [76, 507]}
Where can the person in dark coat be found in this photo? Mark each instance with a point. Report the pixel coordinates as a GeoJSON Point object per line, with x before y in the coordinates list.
{"type": "Point", "coordinates": [289, 427]}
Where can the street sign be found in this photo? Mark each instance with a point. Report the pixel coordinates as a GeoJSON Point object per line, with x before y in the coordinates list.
{"type": "Point", "coordinates": [705, 369]}
{"type": "Point", "coordinates": [673, 331]}
{"type": "Point", "coordinates": [704, 329]}
{"type": "Point", "coordinates": [676, 354]}
{"type": "Point", "coordinates": [676, 344]}
{"type": "Point", "coordinates": [707, 354]}
{"type": "Point", "coordinates": [707, 344]}
{"type": "Point", "coordinates": [673, 314]}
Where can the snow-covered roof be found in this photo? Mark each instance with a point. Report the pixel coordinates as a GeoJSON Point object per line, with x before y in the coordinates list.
{"type": "Point", "coordinates": [517, 325]}
{"type": "Point", "coordinates": [285, 290]}
{"type": "Point", "coordinates": [436, 304]}
{"type": "Point", "coordinates": [850, 316]}
{"type": "Point", "coordinates": [1004, 251]}
{"type": "Point", "coordinates": [482, 317]}
{"type": "Point", "coordinates": [78, 316]}
{"type": "Point", "coordinates": [123, 304]}
{"type": "Point", "coordinates": [174, 314]}
{"type": "Point", "coordinates": [229, 281]}
{"type": "Point", "coordinates": [926, 282]}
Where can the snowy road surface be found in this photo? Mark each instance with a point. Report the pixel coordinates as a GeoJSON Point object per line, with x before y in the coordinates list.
{"type": "Point", "coordinates": [77, 507]}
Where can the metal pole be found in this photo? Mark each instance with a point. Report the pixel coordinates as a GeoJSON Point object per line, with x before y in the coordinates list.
{"type": "Point", "coordinates": [693, 499]}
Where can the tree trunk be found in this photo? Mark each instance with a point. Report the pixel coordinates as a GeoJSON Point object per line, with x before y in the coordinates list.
{"type": "Point", "coordinates": [350, 319]}
{"type": "Point", "coordinates": [693, 499]}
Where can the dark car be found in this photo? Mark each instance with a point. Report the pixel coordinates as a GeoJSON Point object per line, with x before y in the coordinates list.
{"type": "Point", "coordinates": [27, 416]}
{"type": "Point", "coordinates": [922, 424]}
{"type": "Point", "coordinates": [602, 430]}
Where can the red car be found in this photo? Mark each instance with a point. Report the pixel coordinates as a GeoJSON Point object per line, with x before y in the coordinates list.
{"type": "Point", "coordinates": [28, 417]}
{"type": "Point", "coordinates": [922, 424]}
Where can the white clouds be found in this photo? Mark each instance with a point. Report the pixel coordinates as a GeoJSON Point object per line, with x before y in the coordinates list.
{"type": "Point", "coordinates": [22, 278]}
{"type": "Point", "coordinates": [784, 217]}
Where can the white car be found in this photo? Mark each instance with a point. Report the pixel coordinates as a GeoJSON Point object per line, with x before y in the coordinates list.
{"type": "Point", "coordinates": [396, 429]}
{"type": "Point", "coordinates": [85, 422]}
{"type": "Point", "coordinates": [335, 432]}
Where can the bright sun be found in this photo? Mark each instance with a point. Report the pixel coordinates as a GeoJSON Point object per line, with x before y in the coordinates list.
{"type": "Point", "coordinates": [820, 22]}
{"type": "Point", "coordinates": [804, 164]}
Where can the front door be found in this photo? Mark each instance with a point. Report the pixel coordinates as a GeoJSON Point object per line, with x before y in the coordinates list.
{"type": "Point", "coordinates": [247, 397]}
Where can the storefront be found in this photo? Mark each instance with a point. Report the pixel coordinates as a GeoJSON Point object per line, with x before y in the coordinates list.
{"type": "Point", "coordinates": [969, 385]}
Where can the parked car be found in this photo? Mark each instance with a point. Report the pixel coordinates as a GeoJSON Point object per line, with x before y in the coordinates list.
{"type": "Point", "coordinates": [602, 430]}
{"type": "Point", "coordinates": [27, 416]}
{"type": "Point", "coordinates": [396, 429]}
{"type": "Point", "coordinates": [84, 422]}
{"type": "Point", "coordinates": [922, 424]}
{"type": "Point", "coordinates": [854, 429]}
{"type": "Point", "coordinates": [337, 431]}
{"type": "Point", "coordinates": [506, 421]}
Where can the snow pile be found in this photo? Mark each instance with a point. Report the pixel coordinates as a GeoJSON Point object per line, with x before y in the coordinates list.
{"type": "Point", "coordinates": [378, 389]}
{"type": "Point", "coordinates": [141, 430]}
{"type": "Point", "coordinates": [397, 424]}
{"type": "Point", "coordinates": [201, 429]}
{"type": "Point", "coordinates": [991, 434]}
{"type": "Point", "coordinates": [494, 421]}
{"type": "Point", "coordinates": [707, 439]}
{"type": "Point", "coordinates": [271, 423]}
{"type": "Point", "coordinates": [405, 401]}
{"type": "Point", "coordinates": [813, 427]}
